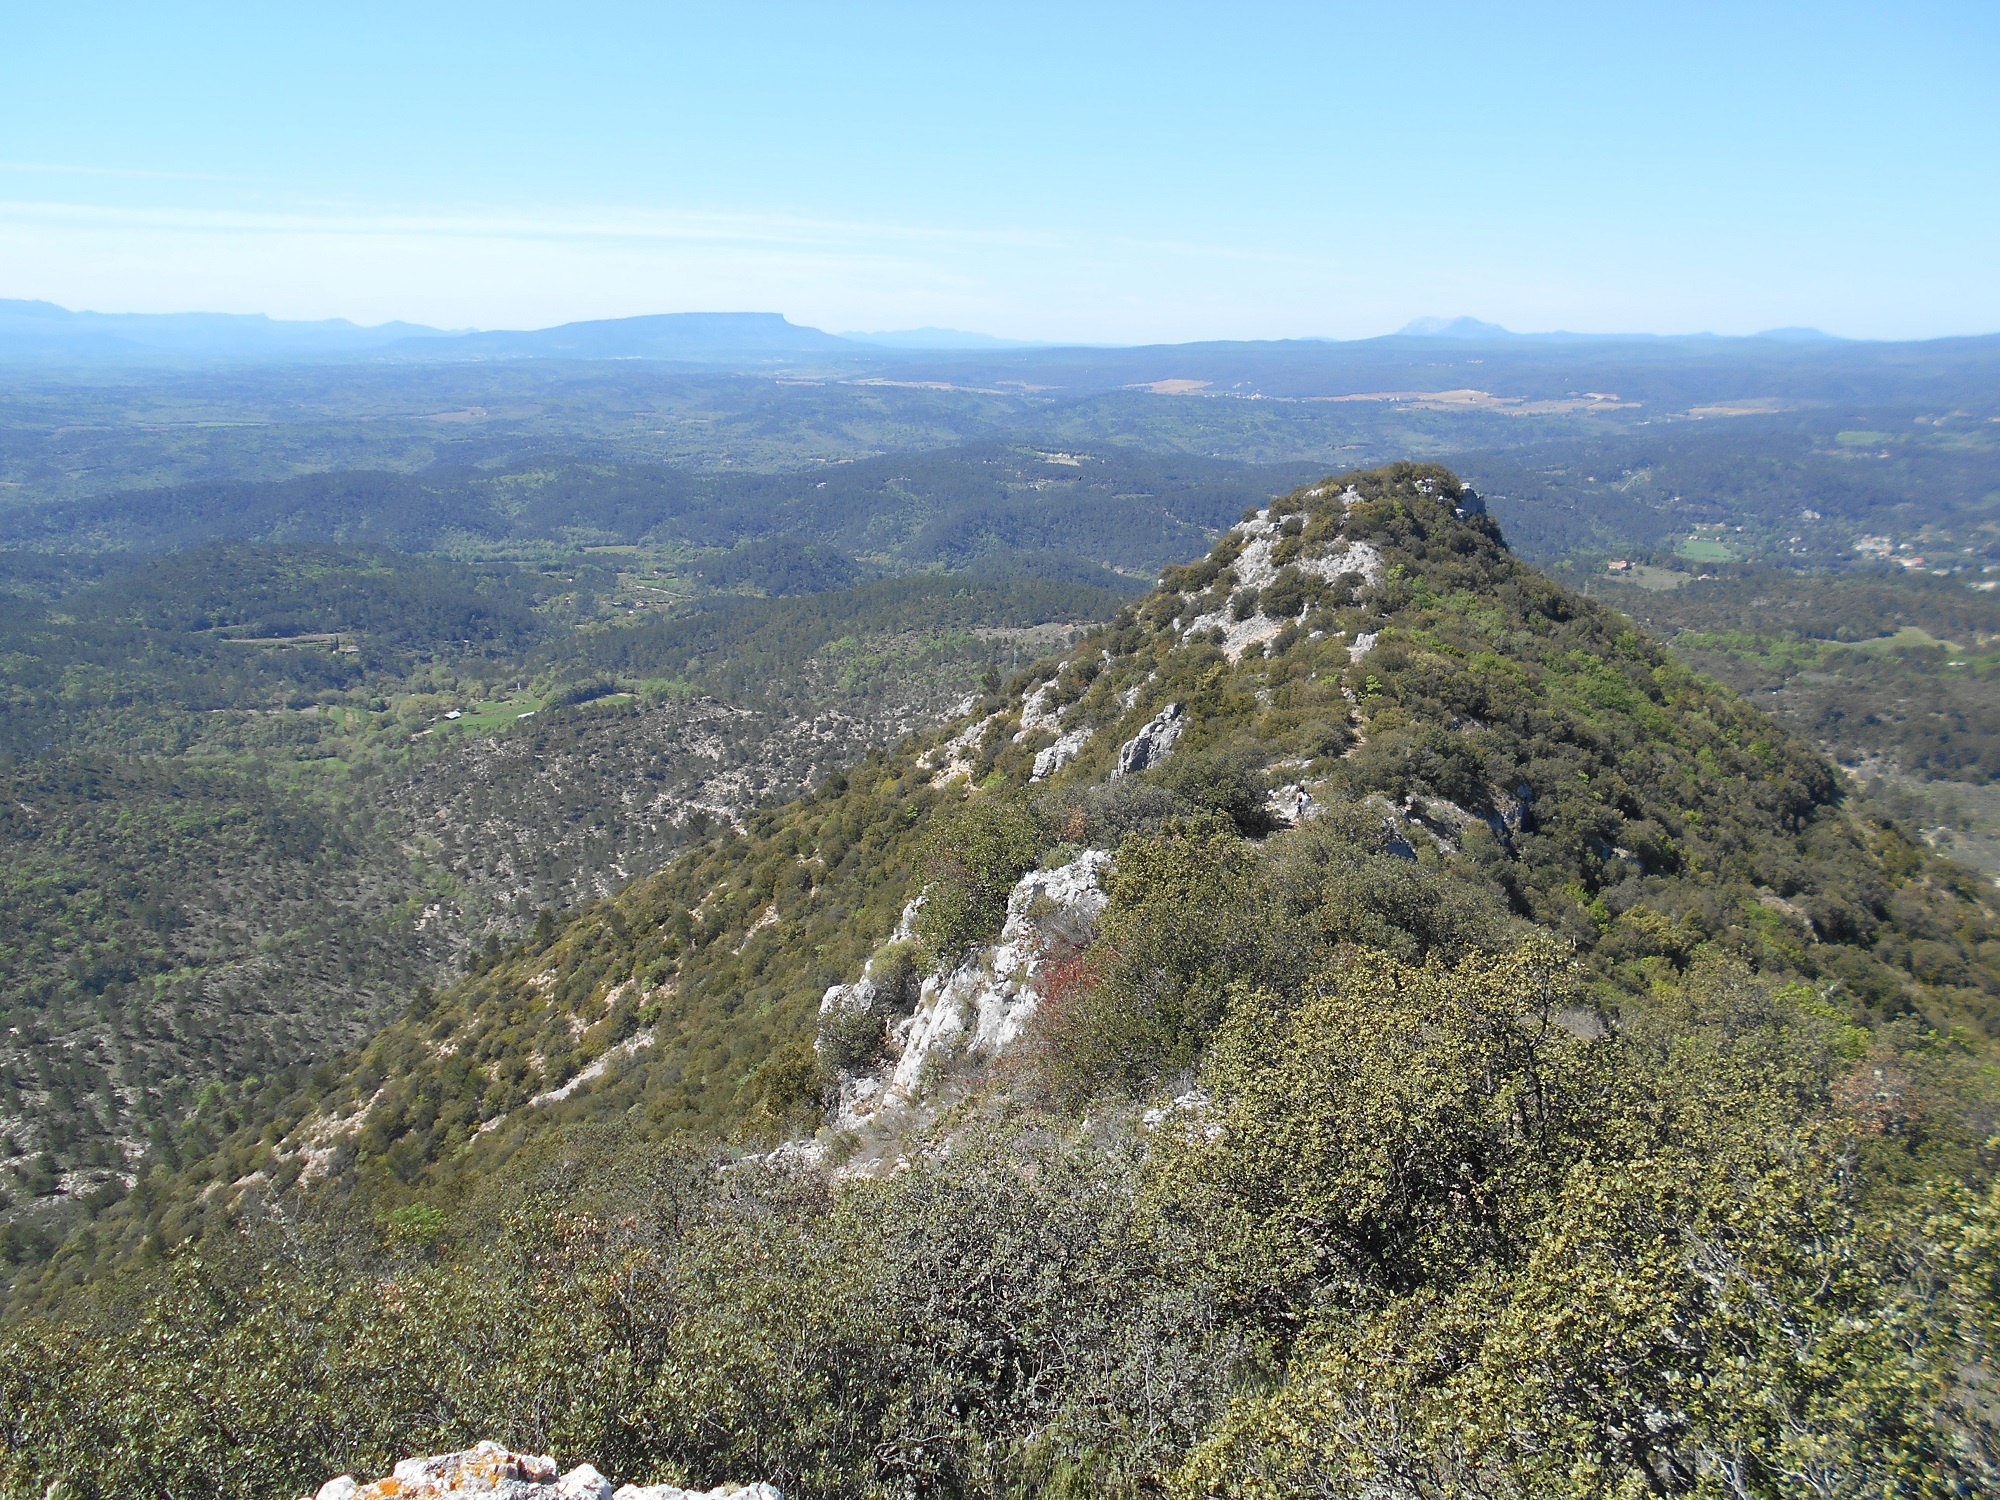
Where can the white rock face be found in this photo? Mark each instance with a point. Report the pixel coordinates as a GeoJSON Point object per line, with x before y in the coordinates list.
{"type": "Point", "coordinates": [1152, 743]}
{"type": "Point", "coordinates": [987, 999]}
{"type": "Point", "coordinates": [491, 1472]}
{"type": "Point", "coordinates": [865, 993]}
{"type": "Point", "coordinates": [1038, 711]}
{"type": "Point", "coordinates": [1060, 754]}
{"type": "Point", "coordinates": [955, 757]}
{"type": "Point", "coordinates": [1254, 569]}
{"type": "Point", "coordinates": [979, 1008]}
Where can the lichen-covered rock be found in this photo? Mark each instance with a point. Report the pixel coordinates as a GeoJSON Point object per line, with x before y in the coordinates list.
{"type": "Point", "coordinates": [1060, 754]}
{"type": "Point", "coordinates": [489, 1471]}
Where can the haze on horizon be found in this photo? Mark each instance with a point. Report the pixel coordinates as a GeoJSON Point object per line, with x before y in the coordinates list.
{"type": "Point", "coordinates": [1110, 173]}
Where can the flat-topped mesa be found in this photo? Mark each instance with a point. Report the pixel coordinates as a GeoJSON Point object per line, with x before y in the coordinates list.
{"type": "Point", "coordinates": [489, 1471]}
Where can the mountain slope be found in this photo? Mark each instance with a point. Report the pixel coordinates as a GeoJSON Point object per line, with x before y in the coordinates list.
{"type": "Point", "coordinates": [247, 812]}
{"type": "Point", "coordinates": [1483, 723]}
{"type": "Point", "coordinates": [1361, 946]}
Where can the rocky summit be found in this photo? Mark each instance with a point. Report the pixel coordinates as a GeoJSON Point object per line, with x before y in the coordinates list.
{"type": "Point", "coordinates": [489, 1471]}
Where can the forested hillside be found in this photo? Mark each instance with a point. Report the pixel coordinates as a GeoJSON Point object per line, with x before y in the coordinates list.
{"type": "Point", "coordinates": [1366, 1020]}
{"type": "Point", "coordinates": [1113, 505]}
{"type": "Point", "coordinates": [1879, 669]}
{"type": "Point", "coordinates": [255, 798]}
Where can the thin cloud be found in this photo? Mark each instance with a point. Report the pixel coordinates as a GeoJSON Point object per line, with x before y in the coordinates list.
{"type": "Point", "coordinates": [77, 169]}
{"type": "Point", "coordinates": [610, 224]}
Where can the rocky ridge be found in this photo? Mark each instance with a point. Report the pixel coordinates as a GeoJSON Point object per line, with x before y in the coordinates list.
{"type": "Point", "coordinates": [1271, 577]}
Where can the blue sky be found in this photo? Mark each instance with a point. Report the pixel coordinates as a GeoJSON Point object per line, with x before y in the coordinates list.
{"type": "Point", "coordinates": [1079, 171]}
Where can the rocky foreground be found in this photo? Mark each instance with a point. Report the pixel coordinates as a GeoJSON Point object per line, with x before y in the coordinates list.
{"type": "Point", "coordinates": [491, 1472]}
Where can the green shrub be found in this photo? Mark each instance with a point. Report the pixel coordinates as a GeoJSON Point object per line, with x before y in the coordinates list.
{"type": "Point", "coordinates": [1183, 923]}
{"type": "Point", "coordinates": [1287, 595]}
{"type": "Point", "coordinates": [897, 969]}
{"type": "Point", "coordinates": [850, 1040]}
{"type": "Point", "coordinates": [971, 859]}
{"type": "Point", "coordinates": [1228, 780]}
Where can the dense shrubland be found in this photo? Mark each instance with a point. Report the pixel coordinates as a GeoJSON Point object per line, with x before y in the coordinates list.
{"type": "Point", "coordinates": [1413, 1235]}
{"type": "Point", "coordinates": [1585, 1102]}
{"type": "Point", "coordinates": [240, 833]}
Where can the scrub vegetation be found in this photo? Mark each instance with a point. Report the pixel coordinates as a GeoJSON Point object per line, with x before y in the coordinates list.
{"type": "Point", "coordinates": [1577, 1093]}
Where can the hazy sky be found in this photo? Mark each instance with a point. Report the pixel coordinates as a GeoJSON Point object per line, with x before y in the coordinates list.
{"type": "Point", "coordinates": [1079, 171]}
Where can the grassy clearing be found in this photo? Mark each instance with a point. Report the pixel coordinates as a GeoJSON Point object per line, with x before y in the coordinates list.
{"type": "Point", "coordinates": [1703, 549]}
{"type": "Point", "coordinates": [1653, 579]}
{"type": "Point", "coordinates": [492, 716]}
{"type": "Point", "coordinates": [1909, 638]}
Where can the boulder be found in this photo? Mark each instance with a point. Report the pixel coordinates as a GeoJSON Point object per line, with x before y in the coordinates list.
{"type": "Point", "coordinates": [1150, 745]}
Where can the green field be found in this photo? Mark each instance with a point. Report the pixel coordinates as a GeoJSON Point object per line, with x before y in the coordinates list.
{"type": "Point", "coordinates": [1702, 549]}
{"type": "Point", "coordinates": [1654, 579]}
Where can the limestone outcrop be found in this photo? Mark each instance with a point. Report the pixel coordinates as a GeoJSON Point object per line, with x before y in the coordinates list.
{"type": "Point", "coordinates": [492, 1472]}
{"type": "Point", "coordinates": [1257, 567]}
{"type": "Point", "coordinates": [1150, 745]}
{"type": "Point", "coordinates": [980, 1006]}
{"type": "Point", "coordinates": [1060, 754]}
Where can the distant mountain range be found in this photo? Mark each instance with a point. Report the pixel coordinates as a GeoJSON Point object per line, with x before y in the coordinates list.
{"type": "Point", "coordinates": [1472, 330]}
{"type": "Point", "coordinates": [943, 338]}
{"type": "Point", "coordinates": [697, 337]}
{"type": "Point", "coordinates": [41, 334]}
